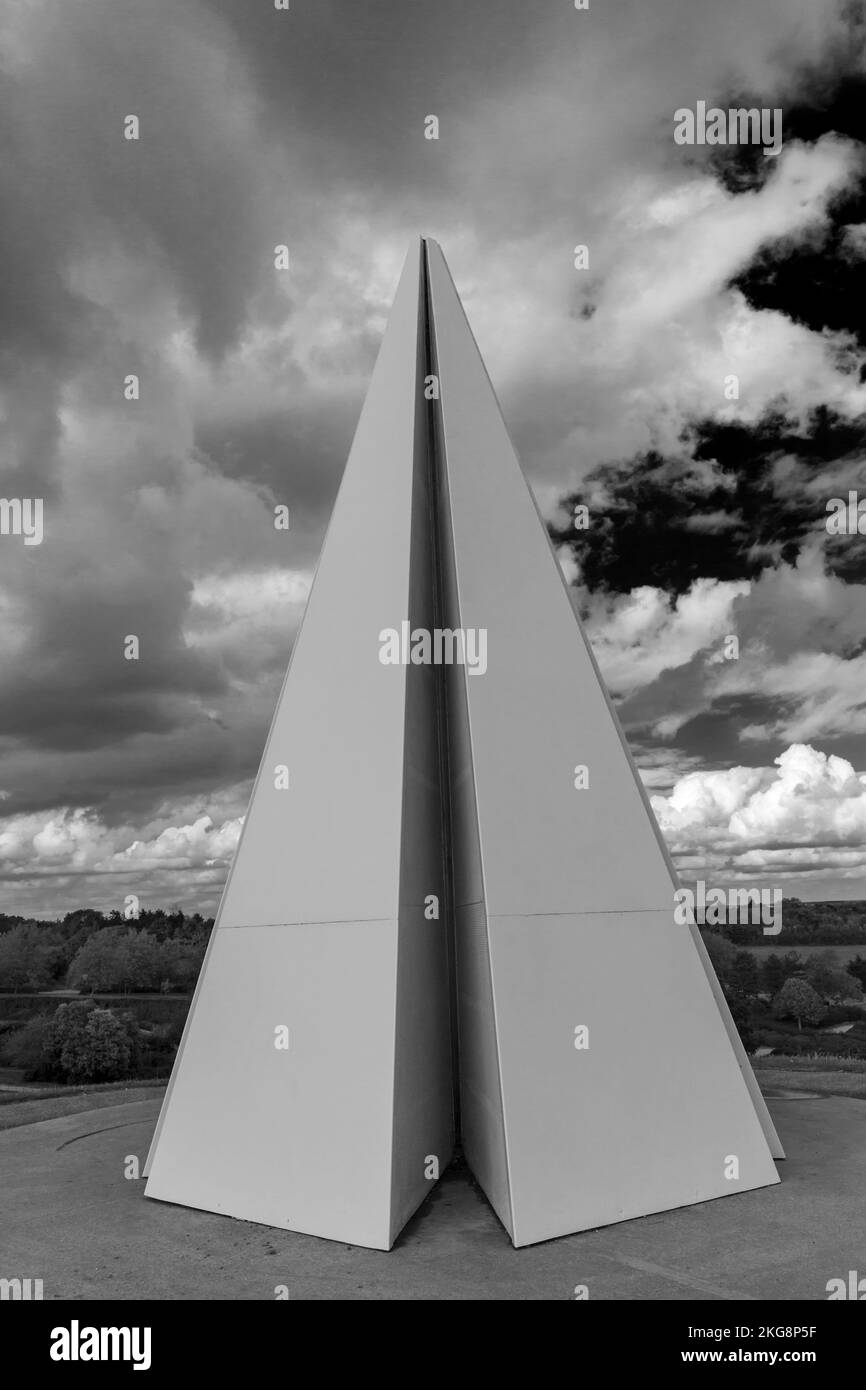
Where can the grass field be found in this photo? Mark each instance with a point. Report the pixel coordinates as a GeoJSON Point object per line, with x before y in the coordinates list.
{"type": "Point", "coordinates": [830, 1076]}
{"type": "Point", "coordinates": [47, 1102]}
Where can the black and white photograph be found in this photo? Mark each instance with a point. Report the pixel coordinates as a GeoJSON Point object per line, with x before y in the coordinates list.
{"type": "Point", "coordinates": [433, 666]}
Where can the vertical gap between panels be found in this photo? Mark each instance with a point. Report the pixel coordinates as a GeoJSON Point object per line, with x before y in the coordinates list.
{"type": "Point", "coordinates": [440, 676]}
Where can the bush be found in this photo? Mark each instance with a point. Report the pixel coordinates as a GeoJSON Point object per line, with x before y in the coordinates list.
{"type": "Point", "coordinates": [29, 1047]}
{"type": "Point", "coordinates": [80, 1043]}
{"type": "Point", "coordinates": [90, 1044]}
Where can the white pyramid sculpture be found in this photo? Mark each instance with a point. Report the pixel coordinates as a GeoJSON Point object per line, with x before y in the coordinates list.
{"type": "Point", "coordinates": [553, 1005]}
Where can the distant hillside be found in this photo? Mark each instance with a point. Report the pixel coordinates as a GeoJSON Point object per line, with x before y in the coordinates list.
{"type": "Point", "coordinates": [808, 924]}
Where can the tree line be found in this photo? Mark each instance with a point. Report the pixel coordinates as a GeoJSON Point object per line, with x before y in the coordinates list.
{"type": "Point", "coordinates": [840, 923]}
{"type": "Point", "coordinates": [103, 953]}
{"type": "Point", "coordinates": [100, 953]}
{"type": "Point", "coordinates": [811, 990]}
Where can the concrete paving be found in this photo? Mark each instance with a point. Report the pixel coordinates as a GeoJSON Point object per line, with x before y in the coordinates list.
{"type": "Point", "coordinates": [70, 1217]}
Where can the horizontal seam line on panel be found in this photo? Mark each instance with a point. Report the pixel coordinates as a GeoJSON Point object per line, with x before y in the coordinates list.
{"type": "Point", "coordinates": [590, 912]}
{"type": "Point", "coordinates": [306, 922]}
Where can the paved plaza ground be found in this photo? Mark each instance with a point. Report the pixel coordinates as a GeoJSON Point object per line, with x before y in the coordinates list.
{"type": "Point", "coordinates": [68, 1216]}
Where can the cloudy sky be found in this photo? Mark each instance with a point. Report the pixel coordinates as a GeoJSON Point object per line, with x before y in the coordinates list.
{"type": "Point", "coordinates": [306, 127]}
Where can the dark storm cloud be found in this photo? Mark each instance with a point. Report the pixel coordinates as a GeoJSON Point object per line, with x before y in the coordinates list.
{"type": "Point", "coordinates": [667, 522]}
{"type": "Point", "coordinates": [818, 282]}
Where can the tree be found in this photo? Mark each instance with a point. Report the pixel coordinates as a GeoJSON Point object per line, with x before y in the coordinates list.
{"type": "Point", "coordinates": [78, 926]}
{"type": "Point", "coordinates": [776, 969]}
{"type": "Point", "coordinates": [743, 975]}
{"type": "Point", "coordinates": [181, 963]}
{"type": "Point", "coordinates": [118, 960]}
{"type": "Point", "coordinates": [95, 966]}
{"type": "Point", "coordinates": [138, 962]}
{"type": "Point", "coordinates": [721, 953]}
{"type": "Point", "coordinates": [773, 973]}
{"type": "Point", "coordinates": [30, 956]}
{"type": "Point", "coordinates": [743, 1022]}
{"type": "Point", "coordinates": [857, 968]}
{"type": "Point", "coordinates": [31, 1048]}
{"type": "Point", "coordinates": [830, 979]}
{"type": "Point", "coordinates": [797, 999]}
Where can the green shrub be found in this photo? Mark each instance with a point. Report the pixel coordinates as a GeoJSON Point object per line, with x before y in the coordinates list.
{"type": "Point", "coordinates": [80, 1043]}
{"type": "Point", "coordinates": [90, 1044]}
{"type": "Point", "coordinates": [29, 1047]}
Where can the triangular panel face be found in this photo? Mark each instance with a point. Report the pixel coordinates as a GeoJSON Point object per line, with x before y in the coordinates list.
{"type": "Point", "coordinates": [650, 1107]}
{"type": "Point", "coordinates": [321, 931]}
